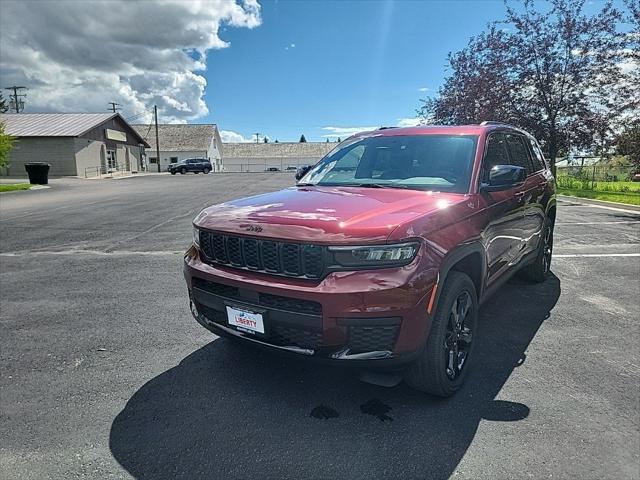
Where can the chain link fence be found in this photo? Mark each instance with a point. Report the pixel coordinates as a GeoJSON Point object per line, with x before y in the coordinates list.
{"type": "Point", "coordinates": [602, 178]}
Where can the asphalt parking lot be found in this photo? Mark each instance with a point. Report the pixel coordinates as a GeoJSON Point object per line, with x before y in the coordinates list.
{"type": "Point", "coordinates": [104, 373]}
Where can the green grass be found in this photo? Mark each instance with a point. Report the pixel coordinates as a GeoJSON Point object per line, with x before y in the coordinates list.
{"type": "Point", "coordinates": [10, 187]}
{"type": "Point", "coordinates": [572, 183]}
{"type": "Point", "coordinates": [630, 198]}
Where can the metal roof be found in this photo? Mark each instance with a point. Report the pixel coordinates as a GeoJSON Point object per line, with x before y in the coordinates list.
{"type": "Point", "coordinates": [179, 137]}
{"type": "Point", "coordinates": [51, 124]}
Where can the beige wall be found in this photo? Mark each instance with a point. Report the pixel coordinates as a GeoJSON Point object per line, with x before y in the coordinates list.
{"type": "Point", "coordinates": [57, 151]}
{"type": "Point", "coordinates": [87, 156]}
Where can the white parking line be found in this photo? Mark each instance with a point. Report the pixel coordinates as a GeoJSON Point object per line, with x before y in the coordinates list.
{"type": "Point", "coordinates": [615, 209]}
{"type": "Point", "coordinates": [597, 223]}
{"type": "Point", "coordinates": [572, 255]}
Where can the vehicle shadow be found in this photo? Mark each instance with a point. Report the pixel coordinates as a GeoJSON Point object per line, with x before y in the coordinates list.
{"type": "Point", "coordinates": [228, 411]}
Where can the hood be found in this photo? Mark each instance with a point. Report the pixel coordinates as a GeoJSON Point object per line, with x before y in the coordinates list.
{"type": "Point", "coordinates": [324, 214]}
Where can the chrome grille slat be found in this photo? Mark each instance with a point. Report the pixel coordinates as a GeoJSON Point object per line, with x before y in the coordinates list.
{"type": "Point", "coordinates": [279, 258]}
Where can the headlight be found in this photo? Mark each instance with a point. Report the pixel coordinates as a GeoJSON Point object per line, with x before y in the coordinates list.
{"type": "Point", "coordinates": [375, 255]}
{"type": "Point", "coordinates": [196, 237]}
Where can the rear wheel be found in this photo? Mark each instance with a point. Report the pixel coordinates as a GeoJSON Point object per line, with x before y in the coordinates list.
{"type": "Point", "coordinates": [539, 270]}
{"type": "Point", "coordinates": [443, 365]}
{"type": "Point", "coordinates": [206, 170]}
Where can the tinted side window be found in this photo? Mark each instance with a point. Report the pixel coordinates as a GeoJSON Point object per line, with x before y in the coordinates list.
{"type": "Point", "coordinates": [537, 158]}
{"type": "Point", "coordinates": [496, 154]}
{"type": "Point", "coordinates": [519, 152]}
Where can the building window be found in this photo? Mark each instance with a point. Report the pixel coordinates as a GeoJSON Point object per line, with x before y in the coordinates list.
{"type": "Point", "coordinates": [152, 159]}
{"type": "Point", "coordinates": [174, 159]}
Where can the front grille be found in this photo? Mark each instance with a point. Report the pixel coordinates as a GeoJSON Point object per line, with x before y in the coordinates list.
{"type": "Point", "coordinates": [211, 314]}
{"type": "Point", "coordinates": [278, 334]}
{"type": "Point", "coordinates": [280, 258]}
{"type": "Point", "coordinates": [289, 304]}
{"type": "Point", "coordinates": [216, 288]}
{"type": "Point", "coordinates": [287, 336]}
{"type": "Point", "coordinates": [372, 338]}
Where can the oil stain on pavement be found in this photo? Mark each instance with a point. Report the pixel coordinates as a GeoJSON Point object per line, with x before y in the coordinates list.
{"type": "Point", "coordinates": [324, 413]}
{"type": "Point", "coordinates": [376, 408]}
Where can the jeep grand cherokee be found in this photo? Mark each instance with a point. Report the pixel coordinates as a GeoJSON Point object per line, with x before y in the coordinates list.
{"type": "Point", "coordinates": [382, 252]}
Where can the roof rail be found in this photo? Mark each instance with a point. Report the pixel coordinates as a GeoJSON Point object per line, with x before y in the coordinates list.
{"type": "Point", "coordinates": [386, 128]}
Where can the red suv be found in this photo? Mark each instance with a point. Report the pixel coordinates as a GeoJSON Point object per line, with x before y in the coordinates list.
{"type": "Point", "coordinates": [382, 252]}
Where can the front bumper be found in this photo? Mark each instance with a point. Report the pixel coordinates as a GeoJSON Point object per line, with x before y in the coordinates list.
{"type": "Point", "coordinates": [373, 317]}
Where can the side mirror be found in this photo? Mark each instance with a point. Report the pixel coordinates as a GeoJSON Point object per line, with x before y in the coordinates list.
{"type": "Point", "coordinates": [302, 171]}
{"type": "Point", "coordinates": [504, 177]}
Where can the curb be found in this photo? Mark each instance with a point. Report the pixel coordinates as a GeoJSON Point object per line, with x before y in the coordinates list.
{"type": "Point", "coordinates": [590, 201]}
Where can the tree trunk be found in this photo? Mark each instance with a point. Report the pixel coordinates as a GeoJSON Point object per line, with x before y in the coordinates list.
{"type": "Point", "coordinates": [553, 147]}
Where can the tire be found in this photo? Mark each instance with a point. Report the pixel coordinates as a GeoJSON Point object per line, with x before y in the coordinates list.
{"type": "Point", "coordinates": [448, 340]}
{"type": "Point", "coordinates": [183, 171]}
{"type": "Point", "coordinates": [173, 172]}
{"type": "Point", "coordinates": [206, 170]}
{"type": "Point", "coordinates": [539, 270]}
{"type": "Point", "coordinates": [196, 172]}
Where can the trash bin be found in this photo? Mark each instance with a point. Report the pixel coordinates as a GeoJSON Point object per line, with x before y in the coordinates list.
{"type": "Point", "coordinates": [38, 172]}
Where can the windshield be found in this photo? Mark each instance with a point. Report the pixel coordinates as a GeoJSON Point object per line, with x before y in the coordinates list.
{"type": "Point", "coordinates": [421, 162]}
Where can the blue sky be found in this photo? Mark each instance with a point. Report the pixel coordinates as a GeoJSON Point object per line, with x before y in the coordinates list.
{"type": "Point", "coordinates": [318, 64]}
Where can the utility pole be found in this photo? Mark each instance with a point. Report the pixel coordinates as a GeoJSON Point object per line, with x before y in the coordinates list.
{"type": "Point", "coordinates": [14, 100]}
{"type": "Point", "coordinates": [155, 115]}
{"type": "Point", "coordinates": [257, 135]}
{"type": "Point", "coordinates": [114, 106]}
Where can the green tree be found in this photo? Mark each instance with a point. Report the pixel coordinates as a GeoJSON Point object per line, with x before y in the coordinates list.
{"type": "Point", "coordinates": [6, 142]}
{"type": "Point", "coordinates": [266, 140]}
{"type": "Point", "coordinates": [628, 143]}
{"type": "Point", "coordinates": [302, 139]}
{"type": "Point", "coordinates": [556, 72]}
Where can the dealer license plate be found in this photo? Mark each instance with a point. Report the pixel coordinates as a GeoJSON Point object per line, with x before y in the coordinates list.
{"type": "Point", "coordinates": [244, 320]}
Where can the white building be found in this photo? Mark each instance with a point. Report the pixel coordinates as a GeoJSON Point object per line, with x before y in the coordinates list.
{"type": "Point", "coordinates": [181, 141]}
{"type": "Point", "coordinates": [260, 157]}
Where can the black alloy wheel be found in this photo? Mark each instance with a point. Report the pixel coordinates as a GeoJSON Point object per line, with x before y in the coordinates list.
{"type": "Point", "coordinates": [458, 337]}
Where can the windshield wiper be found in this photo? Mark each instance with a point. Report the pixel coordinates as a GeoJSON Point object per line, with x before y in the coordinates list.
{"type": "Point", "coordinates": [374, 185]}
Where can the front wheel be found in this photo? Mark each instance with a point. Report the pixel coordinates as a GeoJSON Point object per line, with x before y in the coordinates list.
{"type": "Point", "coordinates": [443, 365]}
{"type": "Point", "coordinates": [173, 172]}
{"type": "Point", "coordinates": [183, 171]}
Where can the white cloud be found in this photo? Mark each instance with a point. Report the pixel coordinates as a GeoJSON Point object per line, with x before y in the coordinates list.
{"type": "Point", "coordinates": [424, 89]}
{"type": "Point", "coordinates": [344, 132]}
{"type": "Point", "coordinates": [77, 56]}
{"type": "Point", "coordinates": [229, 136]}
{"type": "Point", "coordinates": [291, 45]}
{"type": "Point", "coordinates": [408, 122]}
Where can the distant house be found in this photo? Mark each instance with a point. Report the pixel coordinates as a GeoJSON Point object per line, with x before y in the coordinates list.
{"type": "Point", "coordinates": [181, 141]}
{"type": "Point", "coordinates": [77, 144]}
{"type": "Point", "coordinates": [260, 157]}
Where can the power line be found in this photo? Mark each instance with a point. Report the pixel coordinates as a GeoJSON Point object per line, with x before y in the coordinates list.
{"type": "Point", "coordinates": [133, 117]}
